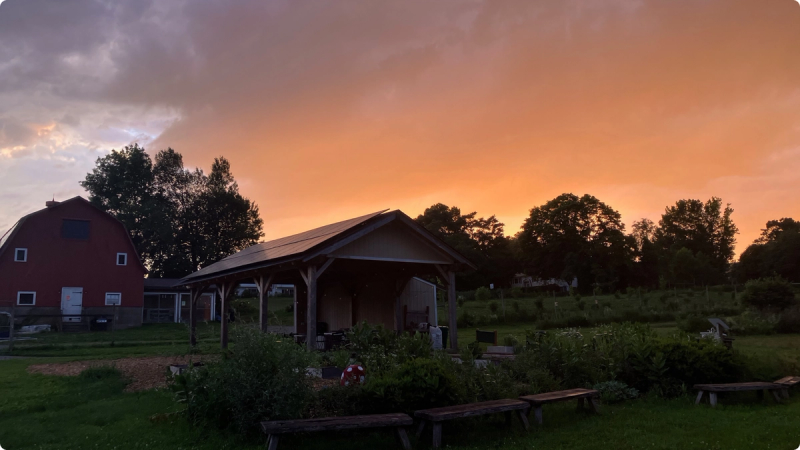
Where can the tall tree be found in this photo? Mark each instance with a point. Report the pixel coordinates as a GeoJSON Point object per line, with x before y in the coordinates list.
{"type": "Point", "coordinates": [646, 255]}
{"type": "Point", "coordinates": [775, 252]}
{"type": "Point", "coordinates": [180, 219]}
{"type": "Point", "coordinates": [699, 227]}
{"type": "Point", "coordinates": [581, 237]}
{"type": "Point", "coordinates": [481, 240]}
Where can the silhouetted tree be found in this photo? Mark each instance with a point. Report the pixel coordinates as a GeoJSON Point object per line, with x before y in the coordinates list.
{"type": "Point", "coordinates": [180, 220]}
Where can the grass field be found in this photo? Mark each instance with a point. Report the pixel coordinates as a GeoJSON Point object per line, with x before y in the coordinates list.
{"type": "Point", "coordinates": [49, 412]}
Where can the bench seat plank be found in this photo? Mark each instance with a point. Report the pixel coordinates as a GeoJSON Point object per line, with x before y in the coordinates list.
{"type": "Point", "coordinates": [788, 381]}
{"type": "Point", "coordinates": [337, 423]}
{"type": "Point", "coordinates": [470, 409]}
{"type": "Point", "coordinates": [735, 387]}
{"type": "Point", "coordinates": [559, 396]}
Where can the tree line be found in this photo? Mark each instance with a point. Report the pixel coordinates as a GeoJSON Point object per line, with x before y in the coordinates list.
{"type": "Point", "coordinates": [582, 237]}
{"type": "Point", "coordinates": [181, 220]}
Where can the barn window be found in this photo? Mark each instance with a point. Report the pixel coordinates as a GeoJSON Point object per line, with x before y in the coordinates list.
{"type": "Point", "coordinates": [122, 259]}
{"type": "Point", "coordinates": [75, 229]}
{"type": "Point", "coordinates": [26, 298]}
{"type": "Point", "coordinates": [113, 298]}
{"type": "Point", "coordinates": [21, 254]}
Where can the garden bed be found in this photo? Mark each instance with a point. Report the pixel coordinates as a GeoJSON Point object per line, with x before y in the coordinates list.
{"type": "Point", "coordinates": [144, 373]}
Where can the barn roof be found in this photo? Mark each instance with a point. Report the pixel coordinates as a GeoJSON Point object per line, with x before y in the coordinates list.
{"type": "Point", "coordinates": [312, 243]}
{"type": "Point", "coordinates": [6, 238]}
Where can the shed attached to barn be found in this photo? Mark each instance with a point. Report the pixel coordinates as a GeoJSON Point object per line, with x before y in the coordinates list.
{"type": "Point", "coordinates": [347, 272]}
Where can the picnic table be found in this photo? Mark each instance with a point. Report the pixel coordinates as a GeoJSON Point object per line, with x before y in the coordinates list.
{"type": "Point", "coordinates": [275, 428]}
{"type": "Point", "coordinates": [536, 401]}
{"type": "Point", "coordinates": [758, 386]}
{"type": "Point", "coordinates": [438, 415]}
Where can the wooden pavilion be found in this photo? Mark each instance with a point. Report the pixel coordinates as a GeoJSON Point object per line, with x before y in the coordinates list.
{"type": "Point", "coordinates": [347, 272]}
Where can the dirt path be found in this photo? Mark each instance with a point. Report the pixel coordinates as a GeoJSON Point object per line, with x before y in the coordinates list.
{"type": "Point", "coordinates": [145, 372]}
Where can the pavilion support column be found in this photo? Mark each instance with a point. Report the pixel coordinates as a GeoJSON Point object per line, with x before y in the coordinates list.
{"type": "Point", "coordinates": [194, 295]}
{"type": "Point", "coordinates": [311, 310]}
{"type": "Point", "coordinates": [451, 309]}
{"type": "Point", "coordinates": [262, 284]}
{"type": "Point", "coordinates": [225, 290]}
{"type": "Point", "coordinates": [399, 320]}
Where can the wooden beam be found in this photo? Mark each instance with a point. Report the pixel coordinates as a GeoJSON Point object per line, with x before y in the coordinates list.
{"type": "Point", "coordinates": [451, 309]}
{"type": "Point", "coordinates": [263, 284]}
{"type": "Point", "coordinates": [442, 272]}
{"type": "Point", "coordinates": [194, 294]}
{"type": "Point", "coordinates": [324, 266]}
{"type": "Point", "coordinates": [305, 277]}
{"type": "Point", "coordinates": [311, 310]}
{"type": "Point", "coordinates": [225, 290]}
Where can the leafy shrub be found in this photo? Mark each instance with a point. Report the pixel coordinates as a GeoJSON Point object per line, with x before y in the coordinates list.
{"type": "Point", "coordinates": [289, 308]}
{"type": "Point", "coordinates": [768, 294]}
{"type": "Point", "coordinates": [244, 309]}
{"type": "Point", "coordinates": [416, 384]}
{"type": "Point", "coordinates": [694, 324]}
{"type": "Point", "coordinates": [580, 304]}
{"type": "Point", "coordinates": [483, 294]}
{"type": "Point", "coordinates": [380, 350]}
{"type": "Point", "coordinates": [338, 400]}
{"type": "Point", "coordinates": [466, 320]}
{"type": "Point", "coordinates": [539, 303]}
{"type": "Point", "coordinates": [263, 378]}
{"type": "Point", "coordinates": [516, 292]}
{"type": "Point", "coordinates": [615, 392]}
{"type": "Point", "coordinates": [516, 306]}
{"type": "Point", "coordinates": [493, 306]}
{"type": "Point", "coordinates": [789, 321]}
{"type": "Point", "coordinates": [753, 323]}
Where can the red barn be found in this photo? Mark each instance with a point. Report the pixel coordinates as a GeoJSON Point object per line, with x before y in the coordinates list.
{"type": "Point", "coordinates": [71, 258]}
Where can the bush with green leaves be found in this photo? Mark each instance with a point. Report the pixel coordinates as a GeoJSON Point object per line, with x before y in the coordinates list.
{"type": "Point", "coordinates": [615, 392]}
{"type": "Point", "coordinates": [483, 294]}
{"type": "Point", "coordinates": [517, 292]}
{"type": "Point", "coordinates": [380, 350]}
{"type": "Point", "coordinates": [753, 323]}
{"type": "Point", "coordinates": [416, 384]}
{"type": "Point", "coordinates": [493, 307]}
{"type": "Point", "coordinates": [789, 321]}
{"type": "Point", "coordinates": [768, 294]}
{"type": "Point", "coordinates": [694, 324]}
{"type": "Point", "coordinates": [262, 378]}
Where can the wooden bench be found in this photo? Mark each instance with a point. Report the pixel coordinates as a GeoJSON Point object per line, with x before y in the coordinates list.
{"type": "Point", "coordinates": [438, 415]}
{"type": "Point", "coordinates": [486, 337]}
{"type": "Point", "coordinates": [274, 428]}
{"type": "Point", "coordinates": [758, 386]}
{"type": "Point", "coordinates": [536, 401]}
{"type": "Point", "coordinates": [787, 383]}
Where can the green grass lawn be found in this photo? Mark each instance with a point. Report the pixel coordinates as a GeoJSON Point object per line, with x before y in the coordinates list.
{"type": "Point", "coordinates": [48, 412]}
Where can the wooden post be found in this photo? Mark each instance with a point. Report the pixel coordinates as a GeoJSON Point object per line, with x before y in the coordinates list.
{"type": "Point", "coordinates": [225, 290]}
{"type": "Point", "coordinates": [311, 312]}
{"type": "Point", "coordinates": [451, 304]}
{"type": "Point", "coordinates": [194, 295]}
{"type": "Point", "coordinates": [263, 284]}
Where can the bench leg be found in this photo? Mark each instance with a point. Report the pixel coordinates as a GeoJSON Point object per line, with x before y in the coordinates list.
{"type": "Point", "coordinates": [712, 396]}
{"type": "Point", "coordinates": [420, 428]}
{"type": "Point", "coordinates": [523, 417]}
{"type": "Point", "coordinates": [537, 414]}
{"type": "Point", "coordinates": [580, 404]}
{"type": "Point", "coordinates": [595, 405]}
{"type": "Point", "coordinates": [403, 436]}
{"type": "Point", "coordinates": [785, 392]}
{"type": "Point", "coordinates": [699, 397]}
{"type": "Point", "coordinates": [776, 395]}
{"type": "Point", "coordinates": [437, 434]}
{"type": "Point", "coordinates": [272, 442]}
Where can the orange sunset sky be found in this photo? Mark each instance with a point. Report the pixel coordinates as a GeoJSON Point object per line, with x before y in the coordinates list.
{"type": "Point", "coordinates": [329, 110]}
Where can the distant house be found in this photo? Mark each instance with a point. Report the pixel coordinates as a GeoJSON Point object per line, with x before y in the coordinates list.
{"type": "Point", "coordinates": [526, 281]}
{"type": "Point", "coordinates": [71, 259]}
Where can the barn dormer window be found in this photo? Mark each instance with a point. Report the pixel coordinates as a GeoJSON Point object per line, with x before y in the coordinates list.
{"type": "Point", "coordinates": [21, 254]}
{"type": "Point", "coordinates": [75, 229]}
{"type": "Point", "coordinates": [122, 259]}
